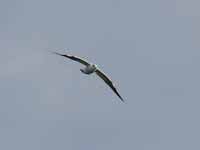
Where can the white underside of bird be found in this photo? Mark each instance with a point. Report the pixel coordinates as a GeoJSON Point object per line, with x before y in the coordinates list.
{"type": "Point", "coordinates": [89, 69]}
{"type": "Point", "coordinates": [92, 68]}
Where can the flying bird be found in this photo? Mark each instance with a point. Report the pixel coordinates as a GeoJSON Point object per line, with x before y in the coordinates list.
{"type": "Point", "coordinates": [92, 68]}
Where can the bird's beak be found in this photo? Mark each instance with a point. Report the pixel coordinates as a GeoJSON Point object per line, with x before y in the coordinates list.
{"type": "Point", "coordinates": [82, 70]}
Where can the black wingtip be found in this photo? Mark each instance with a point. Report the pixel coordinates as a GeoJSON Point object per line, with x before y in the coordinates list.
{"type": "Point", "coordinates": [122, 99]}
{"type": "Point", "coordinates": [56, 53]}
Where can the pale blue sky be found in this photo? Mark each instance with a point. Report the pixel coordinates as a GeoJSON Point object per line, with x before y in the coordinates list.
{"type": "Point", "coordinates": [149, 48]}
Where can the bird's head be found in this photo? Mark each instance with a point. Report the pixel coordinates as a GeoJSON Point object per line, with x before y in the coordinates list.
{"type": "Point", "coordinates": [95, 66]}
{"type": "Point", "coordinates": [82, 70]}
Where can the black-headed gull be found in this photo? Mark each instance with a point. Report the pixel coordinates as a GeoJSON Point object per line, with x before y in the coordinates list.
{"type": "Point", "coordinates": [91, 68]}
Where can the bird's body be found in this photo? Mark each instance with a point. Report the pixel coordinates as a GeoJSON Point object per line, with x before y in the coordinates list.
{"type": "Point", "coordinates": [92, 68]}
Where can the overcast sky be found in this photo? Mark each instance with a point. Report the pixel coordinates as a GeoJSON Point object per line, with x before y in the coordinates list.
{"type": "Point", "coordinates": [151, 50]}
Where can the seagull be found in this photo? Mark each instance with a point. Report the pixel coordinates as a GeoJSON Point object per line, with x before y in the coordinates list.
{"type": "Point", "coordinates": [91, 68]}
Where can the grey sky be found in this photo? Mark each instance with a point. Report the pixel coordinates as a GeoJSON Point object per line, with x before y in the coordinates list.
{"type": "Point", "coordinates": [149, 48]}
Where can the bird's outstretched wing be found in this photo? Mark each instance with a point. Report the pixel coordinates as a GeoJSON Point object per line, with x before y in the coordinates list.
{"type": "Point", "coordinates": [109, 82]}
{"type": "Point", "coordinates": [75, 58]}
